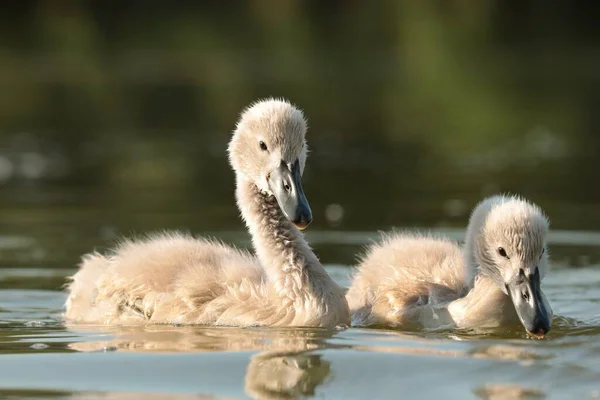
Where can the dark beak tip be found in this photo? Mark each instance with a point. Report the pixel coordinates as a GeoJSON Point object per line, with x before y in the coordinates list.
{"type": "Point", "coordinates": [302, 222]}
{"type": "Point", "coordinates": [538, 334]}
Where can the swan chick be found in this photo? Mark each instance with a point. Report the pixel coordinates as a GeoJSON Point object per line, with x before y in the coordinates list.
{"type": "Point", "coordinates": [419, 280]}
{"type": "Point", "coordinates": [179, 279]}
{"type": "Point", "coordinates": [507, 239]}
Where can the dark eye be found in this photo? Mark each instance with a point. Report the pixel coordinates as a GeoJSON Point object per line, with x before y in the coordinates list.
{"type": "Point", "coordinates": [502, 252]}
{"type": "Point", "coordinates": [263, 146]}
{"type": "Point", "coordinates": [541, 255]}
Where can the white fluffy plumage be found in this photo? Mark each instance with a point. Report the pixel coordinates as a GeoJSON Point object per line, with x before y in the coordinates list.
{"type": "Point", "coordinates": [420, 281]}
{"type": "Point", "coordinates": [179, 279]}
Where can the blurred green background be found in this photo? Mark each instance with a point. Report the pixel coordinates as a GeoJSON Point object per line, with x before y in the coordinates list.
{"type": "Point", "coordinates": [115, 116]}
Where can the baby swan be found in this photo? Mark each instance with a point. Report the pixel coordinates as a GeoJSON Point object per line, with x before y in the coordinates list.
{"type": "Point", "coordinates": [426, 282]}
{"type": "Point", "coordinates": [174, 278]}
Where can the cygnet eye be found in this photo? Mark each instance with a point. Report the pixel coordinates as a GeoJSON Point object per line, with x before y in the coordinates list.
{"type": "Point", "coordinates": [263, 146]}
{"type": "Point", "coordinates": [541, 255]}
{"type": "Point", "coordinates": [502, 252]}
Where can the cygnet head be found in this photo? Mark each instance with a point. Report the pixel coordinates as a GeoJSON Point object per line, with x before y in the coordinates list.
{"type": "Point", "coordinates": [269, 149]}
{"type": "Point", "coordinates": [510, 248]}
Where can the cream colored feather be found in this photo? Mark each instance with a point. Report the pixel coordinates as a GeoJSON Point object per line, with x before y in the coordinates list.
{"type": "Point", "coordinates": [420, 281]}
{"type": "Point", "coordinates": [178, 279]}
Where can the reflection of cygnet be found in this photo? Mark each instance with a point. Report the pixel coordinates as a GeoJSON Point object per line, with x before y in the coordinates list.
{"type": "Point", "coordinates": [280, 375]}
{"type": "Point", "coordinates": [167, 338]}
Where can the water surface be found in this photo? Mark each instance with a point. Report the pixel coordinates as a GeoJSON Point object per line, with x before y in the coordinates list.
{"type": "Point", "coordinates": [41, 357]}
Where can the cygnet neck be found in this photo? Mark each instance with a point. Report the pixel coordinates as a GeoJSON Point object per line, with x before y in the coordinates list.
{"type": "Point", "coordinates": [279, 245]}
{"type": "Point", "coordinates": [485, 305]}
{"type": "Point", "coordinates": [476, 223]}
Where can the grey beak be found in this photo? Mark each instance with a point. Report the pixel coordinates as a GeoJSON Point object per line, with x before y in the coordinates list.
{"type": "Point", "coordinates": [530, 303]}
{"type": "Point", "coordinates": [286, 184]}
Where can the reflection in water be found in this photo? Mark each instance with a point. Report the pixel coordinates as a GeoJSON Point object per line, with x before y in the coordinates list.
{"type": "Point", "coordinates": [508, 392]}
{"type": "Point", "coordinates": [412, 350]}
{"type": "Point", "coordinates": [508, 352]}
{"type": "Point", "coordinates": [287, 367]}
{"type": "Point", "coordinates": [293, 363]}
{"type": "Point", "coordinates": [166, 338]}
{"type": "Point", "coordinates": [284, 370]}
{"type": "Point", "coordinates": [285, 375]}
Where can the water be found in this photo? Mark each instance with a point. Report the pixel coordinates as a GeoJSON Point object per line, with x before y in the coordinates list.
{"type": "Point", "coordinates": [41, 357]}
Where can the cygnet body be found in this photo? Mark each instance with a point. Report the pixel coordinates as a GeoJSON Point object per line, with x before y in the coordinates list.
{"type": "Point", "coordinates": [178, 279]}
{"type": "Point", "coordinates": [420, 281]}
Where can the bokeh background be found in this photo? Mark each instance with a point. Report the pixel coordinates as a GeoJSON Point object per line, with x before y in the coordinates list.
{"type": "Point", "coordinates": [115, 116]}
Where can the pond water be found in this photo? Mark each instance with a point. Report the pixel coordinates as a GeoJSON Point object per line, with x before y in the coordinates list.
{"type": "Point", "coordinates": [41, 357]}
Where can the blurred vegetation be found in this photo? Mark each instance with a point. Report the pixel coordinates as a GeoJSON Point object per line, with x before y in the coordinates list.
{"type": "Point", "coordinates": [416, 108]}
